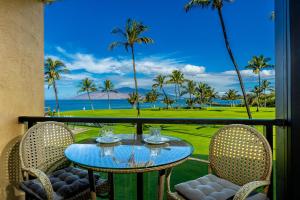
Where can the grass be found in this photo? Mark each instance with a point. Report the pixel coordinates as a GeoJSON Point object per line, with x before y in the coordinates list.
{"type": "Point", "coordinates": [198, 135]}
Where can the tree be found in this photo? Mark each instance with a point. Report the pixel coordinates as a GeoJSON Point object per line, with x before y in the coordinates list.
{"type": "Point", "coordinates": [53, 71]}
{"type": "Point", "coordinates": [231, 95]}
{"type": "Point", "coordinates": [218, 5]}
{"type": "Point", "coordinates": [257, 91]}
{"type": "Point", "coordinates": [108, 87]}
{"type": "Point", "coordinates": [131, 35]}
{"type": "Point", "coordinates": [152, 97]}
{"type": "Point", "coordinates": [159, 82]}
{"type": "Point", "coordinates": [168, 101]}
{"type": "Point", "coordinates": [132, 99]}
{"type": "Point", "coordinates": [210, 95]}
{"type": "Point", "coordinates": [190, 89]}
{"type": "Point", "coordinates": [176, 78]}
{"type": "Point", "coordinates": [87, 85]}
{"type": "Point", "coordinates": [265, 86]}
{"type": "Point", "coordinates": [257, 64]}
{"type": "Point", "coordinates": [201, 93]}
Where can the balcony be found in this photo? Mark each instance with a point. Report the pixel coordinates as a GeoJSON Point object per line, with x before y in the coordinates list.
{"type": "Point", "coordinates": [187, 171]}
{"type": "Point", "coordinates": [22, 106]}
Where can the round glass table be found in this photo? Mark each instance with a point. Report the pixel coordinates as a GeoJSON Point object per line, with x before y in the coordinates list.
{"type": "Point", "coordinates": [130, 155]}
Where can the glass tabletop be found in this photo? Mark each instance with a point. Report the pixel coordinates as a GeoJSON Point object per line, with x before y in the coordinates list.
{"type": "Point", "coordinates": [130, 153]}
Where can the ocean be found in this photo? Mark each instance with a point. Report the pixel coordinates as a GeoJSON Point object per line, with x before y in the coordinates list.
{"type": "Point", "coordinates": [68, 105]}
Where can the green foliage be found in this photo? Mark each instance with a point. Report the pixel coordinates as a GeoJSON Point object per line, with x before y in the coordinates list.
{"type": "Point", "coordinates": [108, 86]}
{"type": "Point", "coordinates": [231, 95]}
{"type": "Point", "coordinates": [87, 85]}
{"type": "Point", "coordinates": [131, 35]}
{"type": "Point", "coordinates": [152, 97]}
{"type": "Point", "coordinates": [176, 78]}
{"type": "Point", "coordinates": [53, 69]}
{"type": "Point", "coordinates": [190, 90]}
{"type": "Point", "coordinates": [168, 101]}
{"type": "Point", "coordinates": [132, 99]}
{"type": "Point", "coordinates": [258, 63]}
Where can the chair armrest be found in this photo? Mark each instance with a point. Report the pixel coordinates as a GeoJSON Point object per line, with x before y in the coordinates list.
{"type": "Point", "coordinates": [199, 160]}
{"type": "Point", "coordinates": [246, 189]}
{"type": "Point", "coordinates": [44, 180]}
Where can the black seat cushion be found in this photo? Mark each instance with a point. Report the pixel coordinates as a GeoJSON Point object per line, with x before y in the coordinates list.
{"type": "Point", "coordinates": [66, 183]}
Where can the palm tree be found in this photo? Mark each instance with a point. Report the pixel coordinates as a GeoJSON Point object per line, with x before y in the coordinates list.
{"type": "Point", "coordinates": [87, 85]}
{"type": "Point", "coordinates": [210, 95]}
{"type": "Point", "coordinates": [265, 86]}
{"type": "Point", "coordinates": [168, 101]}
{"type": "Point", "coordinates": [152, 97]}
{"type": "Point", "coordinates": [176, 78]}
{"type": "Point", "coordinates": [218, 4]}
{"type": "Point", "coordinates": [231, 95]}
{"type": "Point", "coordinates": [132, 99]}
{"type": "Point", "coordinates": [131, 35]}
{"type": "Point", "coordinates": [201, 91]}
{"type": "Point", "coordinates": [53, 71]}
{"type": "Point", "coordinates": [190, 89]}
{"type": "Point", "coordinates": [257, 64]}
{"type": "Point", "coordinates": [108, 87]}
{"type": "Point", "coordinates": [159, 82]}
{"type": "Point", "coordinates": [257, 91]}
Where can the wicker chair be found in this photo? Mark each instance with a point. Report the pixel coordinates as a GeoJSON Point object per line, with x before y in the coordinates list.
{"type": "Point", "coordinates": [240, 162]}
{"type": "Point", "coordinates": [42, 157]}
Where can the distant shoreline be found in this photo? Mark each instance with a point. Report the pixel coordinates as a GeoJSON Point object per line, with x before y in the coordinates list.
{"type": "Point", "coordinates": [102, 104]}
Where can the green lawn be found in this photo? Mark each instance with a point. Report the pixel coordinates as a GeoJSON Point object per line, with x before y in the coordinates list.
{"type": "Point", "coordinates": [198, 135]}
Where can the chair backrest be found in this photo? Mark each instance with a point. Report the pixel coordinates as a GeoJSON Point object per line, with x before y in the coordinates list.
{"type": "Point", "coordinates": [240, 154]}
{"type": "Point", "coordinates": [43, 145]}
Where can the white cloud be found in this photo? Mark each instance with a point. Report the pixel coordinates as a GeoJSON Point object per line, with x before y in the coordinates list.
{"type": "Point", "coordinates": [75, 77]}
{"type": "Point", "coordinates": [147, 65]}
{"type": "Point", "coordinates": [119, 70]}
{"type": "Point", "coordinates": [193, 70]}
{"type": "Point", "coordinates": [249, 73]}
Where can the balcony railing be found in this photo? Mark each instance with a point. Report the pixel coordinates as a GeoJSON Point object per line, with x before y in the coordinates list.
{"type": "Point", "coordinates": [268, 125]}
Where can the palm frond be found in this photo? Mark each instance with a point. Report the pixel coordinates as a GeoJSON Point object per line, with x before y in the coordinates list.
{"type": "Point", "coordinates": [113, 45]}
{"type": "Point", "coordinates": [145, 40]}
{"type": "Point", "coordinates": [197, 3]}
{"type": "Point", "coordinates": [119, 31]}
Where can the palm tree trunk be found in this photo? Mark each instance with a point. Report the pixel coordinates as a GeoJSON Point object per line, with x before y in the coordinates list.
{"type": "Point", "coordinates": [135, 80]}
{"type": "Point", "coordinates": [191, 101]}
{"type": "Point", "coordinates": [265, 98]}
{"type": "Point", "coordinates": [234, 62]}
{"type": "Point", "coordinates": [257, 103]}
{"type": "Point", "coordinates": [178, 90]}
{"type": "Point", "coordinates": [108, 99]}
{"type": "Point", "coordinates": [258, 96]}
{"type": "Point", "coordinates": [56, 97]}
{"type": "Point", "coordinates": [165, 97]}
{"type": "Point", "coordinates": [88, 93]}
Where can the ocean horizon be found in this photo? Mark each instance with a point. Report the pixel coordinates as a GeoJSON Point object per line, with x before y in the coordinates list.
{"type": "Point", "coordinates": [70, 104]}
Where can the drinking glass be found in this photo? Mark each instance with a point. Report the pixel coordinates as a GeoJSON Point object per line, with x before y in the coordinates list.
{"type": "Point", "coordinates": [106, 132]}
{"type": "Point", "coordinates": [155, 132]}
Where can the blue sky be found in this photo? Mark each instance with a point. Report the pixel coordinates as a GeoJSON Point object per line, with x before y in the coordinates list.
{"type": "Point", "coordinates": [78, 33]}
